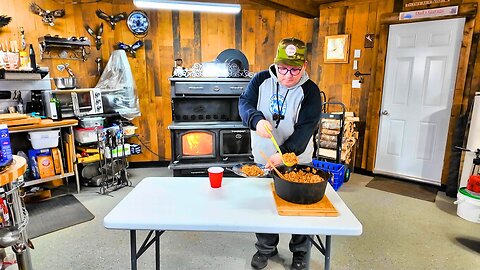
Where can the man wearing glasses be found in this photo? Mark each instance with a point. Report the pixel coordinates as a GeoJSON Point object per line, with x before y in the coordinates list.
{"type": "Point", "coordinates": [284, 100]}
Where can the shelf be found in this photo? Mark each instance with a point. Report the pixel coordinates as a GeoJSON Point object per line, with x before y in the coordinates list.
{"type": "Point", "coordinates": [44, 125]}
{"type": "Point", "coordinates": [22, 75]}
{"type": "Point", "coordinates": [77, 49]}
{"type": "Point", "coordinates": [47, 179]}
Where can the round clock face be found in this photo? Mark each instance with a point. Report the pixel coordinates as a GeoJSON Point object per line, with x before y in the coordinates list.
{"type": "Point", "coordinates": [138, 22]}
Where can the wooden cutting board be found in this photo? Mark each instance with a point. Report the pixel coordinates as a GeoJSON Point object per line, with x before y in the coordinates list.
{"type": "Point", "coordinates": [11, 116]}
{"type": "Point", "coordinates": [323, 208]}
{"type": "Point", "coordinates": [21, 122]}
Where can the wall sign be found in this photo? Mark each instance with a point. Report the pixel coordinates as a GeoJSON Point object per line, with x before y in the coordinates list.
{"type": "Point", "coordinates": [416, 3]}
{"type": "Point", "coordinates": [428, 13]}
{"type": "Point", "coordinates": [368, 43]}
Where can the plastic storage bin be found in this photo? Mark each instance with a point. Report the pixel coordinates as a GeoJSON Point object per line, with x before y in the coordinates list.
{"type": "Point", "coordinates": [86, 135]}
{"type": "Point", "coordinates": [337, 170]}
{"type": "Point", "coordinates": [44, 139]}
{"type": "Point", "coordinates": [90, 122]}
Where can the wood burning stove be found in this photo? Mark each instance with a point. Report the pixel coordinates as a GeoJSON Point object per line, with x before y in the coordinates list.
{"type": "Point", "coordinates": [206, 129]}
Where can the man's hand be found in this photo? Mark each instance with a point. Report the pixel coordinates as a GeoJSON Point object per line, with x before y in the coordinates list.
{"type": "Point", "coordinates": [260, 128]}
{"type": "Point", "coordinates": [275, 159]}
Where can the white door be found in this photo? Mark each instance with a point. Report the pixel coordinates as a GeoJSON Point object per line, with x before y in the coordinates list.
{"type": "Point", "coordinates": [418, 87]}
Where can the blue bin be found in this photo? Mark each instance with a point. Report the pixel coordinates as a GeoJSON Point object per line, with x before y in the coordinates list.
{"type": "Point", "coordinates": [337, 170]}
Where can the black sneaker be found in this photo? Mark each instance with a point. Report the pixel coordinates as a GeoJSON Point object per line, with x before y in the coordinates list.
{"type": "Point", "coordinates": [259, 260]}
{"type": "Point", "coordinates": [299, 261]}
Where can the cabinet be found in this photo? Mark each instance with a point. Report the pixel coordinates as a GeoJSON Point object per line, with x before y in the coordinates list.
{"type": "Point", "coordinates": [66, 146]}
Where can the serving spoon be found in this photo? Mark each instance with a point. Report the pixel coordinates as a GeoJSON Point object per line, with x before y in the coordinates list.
{"type": "Point", "coordinates": [278, 147]}
{"type": "Point", "coordinates": [268, 161]}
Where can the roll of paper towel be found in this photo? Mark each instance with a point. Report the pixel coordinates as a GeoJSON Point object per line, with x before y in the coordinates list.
{"type": "Point", "coordinates": [473, 141]}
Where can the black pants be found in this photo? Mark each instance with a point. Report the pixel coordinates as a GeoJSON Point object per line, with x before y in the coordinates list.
{"type": "Point", "coordinates": [266, 242]}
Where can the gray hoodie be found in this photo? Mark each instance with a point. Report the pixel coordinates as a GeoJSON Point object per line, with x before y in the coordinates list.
{"type": "Point", "coordinates": [301, 109]}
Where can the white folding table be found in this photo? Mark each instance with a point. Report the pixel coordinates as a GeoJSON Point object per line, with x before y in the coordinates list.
{"type": "Point", "coordinates": [160, 204]}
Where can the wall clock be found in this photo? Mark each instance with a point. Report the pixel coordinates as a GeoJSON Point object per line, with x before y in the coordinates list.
{"type": "Point", "coordinates": [138, 23]}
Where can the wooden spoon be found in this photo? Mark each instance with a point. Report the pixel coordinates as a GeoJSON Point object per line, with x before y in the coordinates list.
{"type": "Point", "coordinates": [268, 161]}
{"type": "Point", "coordinates": [278, 147]}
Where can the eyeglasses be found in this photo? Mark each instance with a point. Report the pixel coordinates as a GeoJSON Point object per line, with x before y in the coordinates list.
{"type": "Point", "coordinates": [293, 71]}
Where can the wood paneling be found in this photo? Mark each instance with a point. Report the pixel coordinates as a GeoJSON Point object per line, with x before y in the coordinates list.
{"type": "Point", "coordinates": [374, 16]}
{"type": "Point", "coordinates": [194, 37]}
{"type": "Point", "coordinates": [356, 18]}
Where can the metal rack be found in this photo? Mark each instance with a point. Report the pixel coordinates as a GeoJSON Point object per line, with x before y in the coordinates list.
{"type": "Point", "coordinates": [11, 183]}
{"type": "Point", "coordinates": [64, 48]}
{"type": "Point", "coordinates": [113, 159]}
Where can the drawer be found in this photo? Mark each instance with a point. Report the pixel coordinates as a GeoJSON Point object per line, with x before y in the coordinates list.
{"type": "Point", "coordinates": [209, 88]}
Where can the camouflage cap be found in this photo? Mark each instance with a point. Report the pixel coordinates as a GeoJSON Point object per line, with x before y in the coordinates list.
{"type": "Point", "coordinates": [291, 52]}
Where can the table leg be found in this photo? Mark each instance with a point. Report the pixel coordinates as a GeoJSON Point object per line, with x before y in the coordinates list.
{"type": "Point", "coordinates": [157, 250]}
{"type": "Point", "coordinates": [133, 249]}
{"type": "Point", "coordinates": [328, 246]}
{"type": "Point", "coordinates": [23, 257]}
{"type": "Point", "coordinates": [74, 160]}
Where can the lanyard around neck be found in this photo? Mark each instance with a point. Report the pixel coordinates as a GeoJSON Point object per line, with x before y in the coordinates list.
{"type": "Point", "coordinates": [280, 108]}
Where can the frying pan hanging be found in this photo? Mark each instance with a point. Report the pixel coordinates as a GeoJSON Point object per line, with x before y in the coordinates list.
{"type": "Point", "coordinates": [233, 56]}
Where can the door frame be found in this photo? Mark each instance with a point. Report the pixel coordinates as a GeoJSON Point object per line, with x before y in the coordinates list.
{"type": "Point", "coordinates": [461, 93]}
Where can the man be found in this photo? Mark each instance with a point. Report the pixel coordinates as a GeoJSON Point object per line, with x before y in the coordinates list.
{"type": "Point", "coordinates": [284, 100]}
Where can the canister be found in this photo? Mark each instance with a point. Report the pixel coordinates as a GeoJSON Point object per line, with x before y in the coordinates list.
{"type": "Point", "coordinates": [6, 156]}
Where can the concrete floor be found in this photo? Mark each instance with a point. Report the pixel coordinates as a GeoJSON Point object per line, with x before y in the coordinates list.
{"type": "Point", "coordinates": [399, 233]}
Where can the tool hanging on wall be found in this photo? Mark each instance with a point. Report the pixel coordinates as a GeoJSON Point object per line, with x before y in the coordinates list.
{"type": "Point", "coordinates": [131, 49]}
{"type": "Point", "coordinates": [98, 60]}
{"type": "Point", "coordinates": [48, 17]}
{"type": "Point", "coordinates": [111, 19]}
{"type": "Point", "coordinates": [4, 20]}
{"type": "Point", "coordinates": [97, 35]}
{"type": "Point", "coordinates": [22, 34]}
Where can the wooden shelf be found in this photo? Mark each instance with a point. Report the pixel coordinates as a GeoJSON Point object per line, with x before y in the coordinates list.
{"type": "Point", "coordinates": [47, 179]}
{"type": "Point", "coordinates": [45, 124]}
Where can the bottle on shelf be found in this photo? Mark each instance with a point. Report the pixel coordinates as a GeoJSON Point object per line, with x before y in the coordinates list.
{"type": "Point", "coordinates": [13, 56]}
{"type": "Point", "coordinates": [33, 62]}
{"type": "Point", "coordinates": [24, 57]}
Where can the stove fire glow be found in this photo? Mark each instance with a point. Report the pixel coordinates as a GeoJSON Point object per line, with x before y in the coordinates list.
{"type": "Point", "coordinates": [197, 144]}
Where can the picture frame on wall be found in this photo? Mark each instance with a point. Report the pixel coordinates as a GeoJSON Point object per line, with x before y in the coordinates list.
{"type": "Point", "coordinates": [336, 49]}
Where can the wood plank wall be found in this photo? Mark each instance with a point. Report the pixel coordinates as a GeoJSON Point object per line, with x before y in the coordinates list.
{"type": "Point", "coordinates": [358, 18]}
{"type": "Point", "coordinates": [192, 36]}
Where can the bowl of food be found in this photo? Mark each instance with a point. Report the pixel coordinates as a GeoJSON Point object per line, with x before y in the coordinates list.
{"type": "Point", "coordinates": [301, 184]}
{"type": "Point", "coordinates": [250, 170]}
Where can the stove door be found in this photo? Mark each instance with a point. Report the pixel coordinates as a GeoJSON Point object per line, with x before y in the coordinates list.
{"type": "Point", "coordinates": [235, 142]}
{"type": "Point", "coordinates": [195, 144]}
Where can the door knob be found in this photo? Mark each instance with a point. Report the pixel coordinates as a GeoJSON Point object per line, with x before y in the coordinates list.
{"type": "Point", "coordinates": [385, 112]}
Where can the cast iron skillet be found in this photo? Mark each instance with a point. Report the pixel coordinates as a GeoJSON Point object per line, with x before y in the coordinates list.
{"type": "Point", "coordinates": [301, 193]}
{"type": "Point", "coordinates": [235, 56]}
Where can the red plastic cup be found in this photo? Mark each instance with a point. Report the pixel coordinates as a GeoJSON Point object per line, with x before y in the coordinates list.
{"type": "Point", "coordinates": [215, 174]}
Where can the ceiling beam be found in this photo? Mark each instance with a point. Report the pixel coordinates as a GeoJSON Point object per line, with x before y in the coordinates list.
{"type": "Point", "coordinates": [321, 2]}
{"type": "Point", "coordinates": [300, 8]}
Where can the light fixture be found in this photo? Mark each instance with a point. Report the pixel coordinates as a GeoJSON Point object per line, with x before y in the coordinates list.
{"type": "Point", "coordinates": [188, 5]}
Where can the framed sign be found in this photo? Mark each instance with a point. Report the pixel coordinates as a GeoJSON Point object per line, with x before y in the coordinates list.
{"type": "Point", "coordinates": [409, 5]}
{"type": "Point", "coordinates": [336, 49]}
{"type": "Point", "coordinates": [428, 13]}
